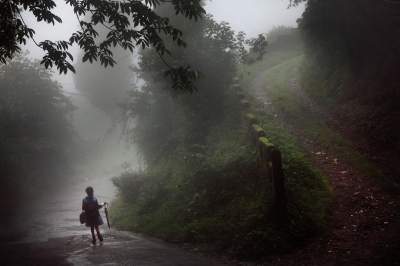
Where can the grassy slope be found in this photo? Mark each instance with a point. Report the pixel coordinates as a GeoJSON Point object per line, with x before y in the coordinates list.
{"type": "Point", "coordinates": [293, 118]}
{"type": "Point", "coordinates": [294, 107]}
{"type": "Point", "coordinates": [215, 196]}
{"type": "Point", "coordinates": [308, 188]}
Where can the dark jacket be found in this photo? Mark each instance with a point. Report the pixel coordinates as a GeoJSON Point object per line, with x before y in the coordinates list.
{"type": "Point", "coordinates": [91, 208]}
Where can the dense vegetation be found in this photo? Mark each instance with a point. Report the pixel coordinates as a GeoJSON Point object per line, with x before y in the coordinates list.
{"type": "Point", "coordinates": [316, 91]}
{"type": "Point", "coordinates": [36, 137]}
{"type": "Point", "coordinates": [200, 183]}
{"type": "Point", "coordinates": [127, 24]}
{"type": "Point", "coordinates": [351, 66]}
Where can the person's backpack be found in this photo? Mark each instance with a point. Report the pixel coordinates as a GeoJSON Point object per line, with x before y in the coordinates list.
{"type": "Point", "coordinates": [82, 217]}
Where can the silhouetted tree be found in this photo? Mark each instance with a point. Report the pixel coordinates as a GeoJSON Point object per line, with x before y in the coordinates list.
{"type": "Point", "coordinates": [129, 24]}
{"type": "Point", "coordinates": [167, 117]}
{"type": "Point", "coordinates": [258, 46]}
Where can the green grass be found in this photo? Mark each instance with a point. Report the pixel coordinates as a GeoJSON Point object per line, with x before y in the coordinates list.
{"type": "Point", "coordinates": [308, 189]}
{"type": "Point", "coordinates": [291, 107]}
{"type": "Point", "coordinates": [212, 193]}
{"type": "Point", "coordinates": [247, 73]}
{"type": "Point", "coordinates": [216, 196]}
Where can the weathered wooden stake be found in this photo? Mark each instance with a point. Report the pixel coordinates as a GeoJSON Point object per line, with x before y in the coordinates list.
{"type": "Point", "coordinates": [278, 181]}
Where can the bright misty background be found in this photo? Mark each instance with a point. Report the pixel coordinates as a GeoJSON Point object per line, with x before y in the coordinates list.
{"type": "Point", "coordinates": [253, 17]}
{"type": "Point", "coordinates": [98, 126]}
{"type": "Point", "coordinates": [287, 151]}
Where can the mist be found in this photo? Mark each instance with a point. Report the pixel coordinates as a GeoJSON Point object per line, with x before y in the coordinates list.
{"type": "Point", "coordinates": [96, 124]}
{"type": "Point", "coordinates": [256, 16]}
{"type": "Point", "coordinates": [218, 132]}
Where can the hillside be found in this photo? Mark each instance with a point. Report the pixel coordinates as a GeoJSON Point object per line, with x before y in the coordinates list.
{"type": "Point", "coordinates": [361, 219]}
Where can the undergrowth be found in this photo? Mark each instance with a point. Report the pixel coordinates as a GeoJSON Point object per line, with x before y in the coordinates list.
{"type": "Point", "coordinates": [308, 116]}
{"type": "Point", "coordinates": [211, 193]}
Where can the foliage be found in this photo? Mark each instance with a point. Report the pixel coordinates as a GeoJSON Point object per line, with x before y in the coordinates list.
{"type": "Point", "coordinates": [105, 88]}
{"type": "Point", "coordinates": [251, 50]}
{"type": "Point", "coordinates": [280, 38]}
{"type": "Point", "coordinates": [165, 118]}
{"type": "Point", "coordinates": [201, 183]}
{"type": "Point", "coordinates": [295, 107]}
{"type": "Point", "coordinates": [296, 2]}
{"type": "Point", "coordinates": [279, 51]}
{"type": "Point", "coordinates": [258, 46]}
{"type": "Point", "coordinates": [129, 24]}
{"type": "Point", "coordinates": [286, 38]}
{"type": "Point", "coordinates": [350, 71]}
{"type": "Point", "coordinates": [308, 190]}
{"type": "Point", "coordinates": [36, 138]}
{"type": "Point", "coordinates": [241, 42]}
{"type": "Point", "coordinates": [203, 194]}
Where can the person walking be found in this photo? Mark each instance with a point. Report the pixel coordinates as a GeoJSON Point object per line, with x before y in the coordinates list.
{"type": "Point", "coordinates": [93, 218]}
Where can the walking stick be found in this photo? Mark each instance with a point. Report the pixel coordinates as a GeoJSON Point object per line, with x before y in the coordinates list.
{"type": "Point", "coordinates": [106, 212]}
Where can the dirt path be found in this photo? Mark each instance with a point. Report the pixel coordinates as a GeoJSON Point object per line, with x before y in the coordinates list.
{"type": "Point", "coordinates": [365, 220]}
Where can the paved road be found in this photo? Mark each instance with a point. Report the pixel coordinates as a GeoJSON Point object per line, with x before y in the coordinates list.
{"type": "Point", "coordinates": [55, 237]}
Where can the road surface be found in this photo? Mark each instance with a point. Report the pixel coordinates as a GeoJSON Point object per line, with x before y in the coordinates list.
{"type": "Point", "coordinates": [54, 237]}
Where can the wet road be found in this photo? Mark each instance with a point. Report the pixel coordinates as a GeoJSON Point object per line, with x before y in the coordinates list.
{"type": "Point", "coordinates": [122, 248]}
{"type": "Point", "coordinates": [57, 216]}
{"type": "Point", "coordinates": [55, 237]}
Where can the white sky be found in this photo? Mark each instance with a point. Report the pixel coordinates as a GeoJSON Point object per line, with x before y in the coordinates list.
{"type": "Point", "coordinates": [255, 16]}
{"type": "Point", "coordinates": [251, 16]}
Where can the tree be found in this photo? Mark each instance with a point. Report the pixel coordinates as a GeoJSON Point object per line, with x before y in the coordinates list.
{"type": "Point", "coordinates": [295, 2]}
{"type": "Point", "coordinates": [36, 137]}
{"type": "Point", "coordinates": [241, 42]}
{"type": "Point", "coordinates": [165, 118]}
{"type": "Point", "coordinates": [258, 46]}
{"type": "Point", "coordinates": [356, 70]}
{"type": "Point", "coordinates": [129, 24]}
{"type": "Point", "coordinates": [105, 88]}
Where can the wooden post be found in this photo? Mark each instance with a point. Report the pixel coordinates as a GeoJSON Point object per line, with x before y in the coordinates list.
{"type": "Point", "coordinates": [278, 182]}
{"type": "Point", "coordinates": [269, 162]}
{"type": "Point", "coordinates": [264, 146]}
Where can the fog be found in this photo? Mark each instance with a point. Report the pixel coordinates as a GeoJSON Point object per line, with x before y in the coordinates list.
{"type": "Point", "coordinates": [252, 17]}
{"type": "Point", "coordinates": [223, 132]}
{"type": "Point", "coordinates": [255, 16]}
{"type": "Point", "coordinates": [98, 149]}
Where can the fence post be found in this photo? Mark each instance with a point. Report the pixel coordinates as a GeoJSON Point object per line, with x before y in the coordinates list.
{"type": "Point", "coordinates": [278, 181]}
{"type": "Point", "coordinates": [263, 159]}
{"type": "Point", "coordinates": [269, 162]}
